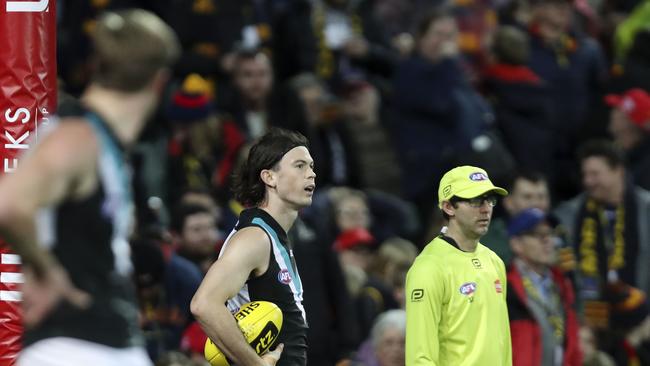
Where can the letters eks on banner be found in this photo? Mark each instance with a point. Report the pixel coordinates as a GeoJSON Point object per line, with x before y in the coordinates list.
{"type": "Point", "coordinates": [27, 97]}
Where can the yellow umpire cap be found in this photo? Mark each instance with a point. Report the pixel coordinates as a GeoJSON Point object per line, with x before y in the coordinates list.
{"type": "Point", "coordinates": [466, 182]}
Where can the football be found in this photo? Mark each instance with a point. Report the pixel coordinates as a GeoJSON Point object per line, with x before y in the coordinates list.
{"type": "Point", "coordinates": [259, 321]}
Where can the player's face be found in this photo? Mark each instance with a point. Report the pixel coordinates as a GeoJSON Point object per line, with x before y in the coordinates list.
{"type": "Point", "coordinates": [296, 180]}
{"type": "Point", "coordinates": [473, 220]}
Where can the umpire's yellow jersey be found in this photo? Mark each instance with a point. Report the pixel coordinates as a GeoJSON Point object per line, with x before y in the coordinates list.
{"type": "Point", "coordinates": [456, 307]}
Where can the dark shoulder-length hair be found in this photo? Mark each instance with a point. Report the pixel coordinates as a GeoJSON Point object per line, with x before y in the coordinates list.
{"type": "Point", "coordinates": [249, 189]}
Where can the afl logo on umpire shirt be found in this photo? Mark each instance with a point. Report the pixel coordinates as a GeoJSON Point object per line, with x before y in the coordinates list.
{"type": "Point", "coordinates": [284, 276]}
{"type": "Point", "coordinates": [467, 288]}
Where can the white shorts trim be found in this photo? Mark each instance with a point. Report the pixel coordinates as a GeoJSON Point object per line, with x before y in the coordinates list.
{"type": "Point", "coordinates": [62, 351]}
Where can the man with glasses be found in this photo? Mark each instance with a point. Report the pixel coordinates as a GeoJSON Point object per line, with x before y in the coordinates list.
{"type": "Point", "coordinates": [540, 298]}
{"type": "Point", "coordinates": [456, 289]}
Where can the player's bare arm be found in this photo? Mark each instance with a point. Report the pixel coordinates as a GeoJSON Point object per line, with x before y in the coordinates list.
{"type": "Point", "coordinates": [61, 167]}
{"type": "Point", "coordinates": [56, 170]}
{"type": "Point", "coordinates": [246, 256]}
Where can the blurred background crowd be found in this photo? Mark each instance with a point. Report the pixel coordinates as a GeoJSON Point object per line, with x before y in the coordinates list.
{"type": "Point", "coordinates": [550, 97]}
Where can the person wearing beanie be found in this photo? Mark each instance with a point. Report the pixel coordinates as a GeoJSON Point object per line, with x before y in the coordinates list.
{"type": "Point", "coordinates": [629, 124]}
{"type": "Point", "coordinates": [203, 147]}
{"type": "Point", "coordinates": [192, 101]}
{"type": "Point", "coordinates": [543, 322]}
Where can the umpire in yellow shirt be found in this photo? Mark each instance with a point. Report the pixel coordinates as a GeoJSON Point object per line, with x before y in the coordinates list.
{"type": "Point", "coordinates": [456, 289]}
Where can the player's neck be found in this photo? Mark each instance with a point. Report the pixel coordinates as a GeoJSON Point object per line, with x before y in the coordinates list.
{"type": "Point", "coordinates": [125, 113]}
{"type": "Point", "coordinates": [465, 243]}
{"type": "Point", "coordinates": [285, 216]}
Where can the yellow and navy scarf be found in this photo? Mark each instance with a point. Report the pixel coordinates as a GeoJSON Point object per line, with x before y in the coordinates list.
{"type": "Point", "coordinates": [599, 253]}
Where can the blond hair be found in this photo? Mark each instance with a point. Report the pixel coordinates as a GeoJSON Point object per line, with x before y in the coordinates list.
{"type": "Point", "coordinates": [130, 47]}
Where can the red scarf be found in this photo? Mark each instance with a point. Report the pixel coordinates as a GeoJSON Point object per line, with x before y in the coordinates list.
{"type": "Point", "coordinates": [512, 74]}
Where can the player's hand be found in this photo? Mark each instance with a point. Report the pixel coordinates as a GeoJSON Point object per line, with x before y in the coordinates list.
{"type": "Point", "coordinates": [271, 358]}
{"type": "Point", "coordinates": [42, 293]}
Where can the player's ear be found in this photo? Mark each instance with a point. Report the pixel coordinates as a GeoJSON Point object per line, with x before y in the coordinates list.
{"type": "Point", "coordinates": [448, 208]}
{"type": "Point", "coordinates": [268, 177]}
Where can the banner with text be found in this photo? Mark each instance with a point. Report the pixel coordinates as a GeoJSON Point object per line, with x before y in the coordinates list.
{"type": "Point", "coordinates": [27, 97]}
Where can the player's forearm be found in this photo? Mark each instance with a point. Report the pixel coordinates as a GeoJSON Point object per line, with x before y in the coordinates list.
{"type": "Point", "coordinates": [221, 327]}
{"type": "Point", "coordinates": [19, 231]}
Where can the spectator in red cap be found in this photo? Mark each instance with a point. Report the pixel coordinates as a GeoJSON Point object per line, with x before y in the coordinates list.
{"type": "Point", "coordinates": [354, 247]}
{"type": "Point", "coordinates": [629, 124]}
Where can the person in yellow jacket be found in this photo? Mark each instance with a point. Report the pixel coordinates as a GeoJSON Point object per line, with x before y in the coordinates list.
{"type": "Point", "coordinates": [456, 288]}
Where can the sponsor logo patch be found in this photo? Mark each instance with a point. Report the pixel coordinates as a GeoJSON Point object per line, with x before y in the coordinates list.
{"type": "Point", "coordinates": [497, 286]}
{"type": "Point", "coordinates": [478, 176]}
{"type": "Point", "coordinates": [417, 295]}
{"type": "Point", "coordinates": [446, 191]}
{"type": "Point", "coordinates": [284, 276]}
{"type": "Point", "coordinates": [476, 263]}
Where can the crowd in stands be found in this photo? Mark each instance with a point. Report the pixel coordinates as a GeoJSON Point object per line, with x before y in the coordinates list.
{"type": "Point", "coordinates": [551, 98]}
